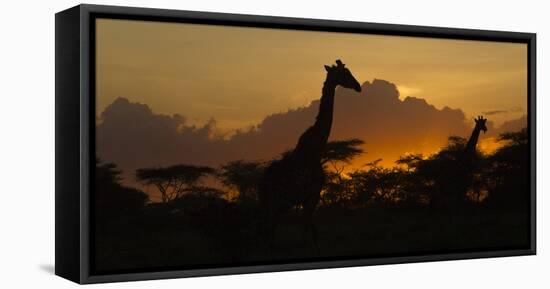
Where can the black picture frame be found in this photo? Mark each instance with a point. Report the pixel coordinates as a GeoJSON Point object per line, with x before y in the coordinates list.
{"type": "Point", "coordinates": [75, 133]}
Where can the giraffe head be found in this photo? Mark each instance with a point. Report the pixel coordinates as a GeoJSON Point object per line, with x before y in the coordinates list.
{"type": "Point", "coordinates": [340, 75]}
{"type": "Point", "coordinates": [481, 123]}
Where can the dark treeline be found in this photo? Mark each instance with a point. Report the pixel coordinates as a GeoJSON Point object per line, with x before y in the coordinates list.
{"type": "Point", "coordinates": [425, 203]}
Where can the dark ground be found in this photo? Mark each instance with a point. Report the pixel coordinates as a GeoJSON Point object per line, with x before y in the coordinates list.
{"type": "Point", "coordinates": [160, 238]}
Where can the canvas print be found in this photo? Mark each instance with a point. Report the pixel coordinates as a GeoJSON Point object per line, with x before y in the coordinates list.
{"type": "Point", "coordinates": [222, 146]}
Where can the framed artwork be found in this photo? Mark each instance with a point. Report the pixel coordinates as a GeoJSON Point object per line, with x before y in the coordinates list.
{"type": "Point", "coordinates": [192, 144]}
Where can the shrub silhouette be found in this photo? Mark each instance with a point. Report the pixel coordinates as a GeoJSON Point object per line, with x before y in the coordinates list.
{"type": "Point", "coordinates": [507, 174]}
{"type": "Point", "coordinates": [113, 200]}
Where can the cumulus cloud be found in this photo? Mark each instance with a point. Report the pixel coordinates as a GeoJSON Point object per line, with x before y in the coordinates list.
{"type": "Point", "coordinates": [133, 136]}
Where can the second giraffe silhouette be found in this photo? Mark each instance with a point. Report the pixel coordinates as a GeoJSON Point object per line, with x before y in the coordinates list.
{"type": "Point", "coordinates": [296, 180]}
{"type": "Point", "coordinates": [459, 175]}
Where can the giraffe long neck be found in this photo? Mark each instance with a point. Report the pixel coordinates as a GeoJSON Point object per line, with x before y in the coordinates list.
{"type": "Point", "coordinates": [472, 142]}
{"type": "Point", "coordinates": [313, 141]}
{"type": "Point", "coordinates": [323, 121]}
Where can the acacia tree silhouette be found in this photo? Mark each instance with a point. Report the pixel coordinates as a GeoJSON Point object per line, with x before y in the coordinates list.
{"type": "Point", "coordinates": [338, 154]}
{"type": "Point", "coordinates": [296, 180]}
{"type": "Point", "coordinates": [174, 181]}
{"type": "Point", "coordinates": [243, 176]}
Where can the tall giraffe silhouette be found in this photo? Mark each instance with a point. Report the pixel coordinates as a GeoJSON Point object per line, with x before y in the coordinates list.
{"type": "Point", "coordinates": [296, 180]}
{"type": "Point", "coordinates": [464, 169]}
{"type": "Point", "coordinates": [468, 160]}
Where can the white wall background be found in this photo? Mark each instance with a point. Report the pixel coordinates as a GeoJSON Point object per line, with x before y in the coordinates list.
{"type": "Point", "coordinates": [27, 143]}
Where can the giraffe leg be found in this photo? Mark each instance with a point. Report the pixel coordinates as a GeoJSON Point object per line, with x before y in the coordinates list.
{"type": "Point", "coordinates": [269, 243]}
{"type": "Point", "coordinates": [271, 240]}
{"type": "Point", "coordinates": [310, 235]}
{"type": "Point", "coordinates": [314, 238]}
{"type": "Point", "coordinates": [265, 235]}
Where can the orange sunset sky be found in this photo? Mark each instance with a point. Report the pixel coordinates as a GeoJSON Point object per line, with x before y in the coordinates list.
{"type": "Point", "coordinates": [160, 85]}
